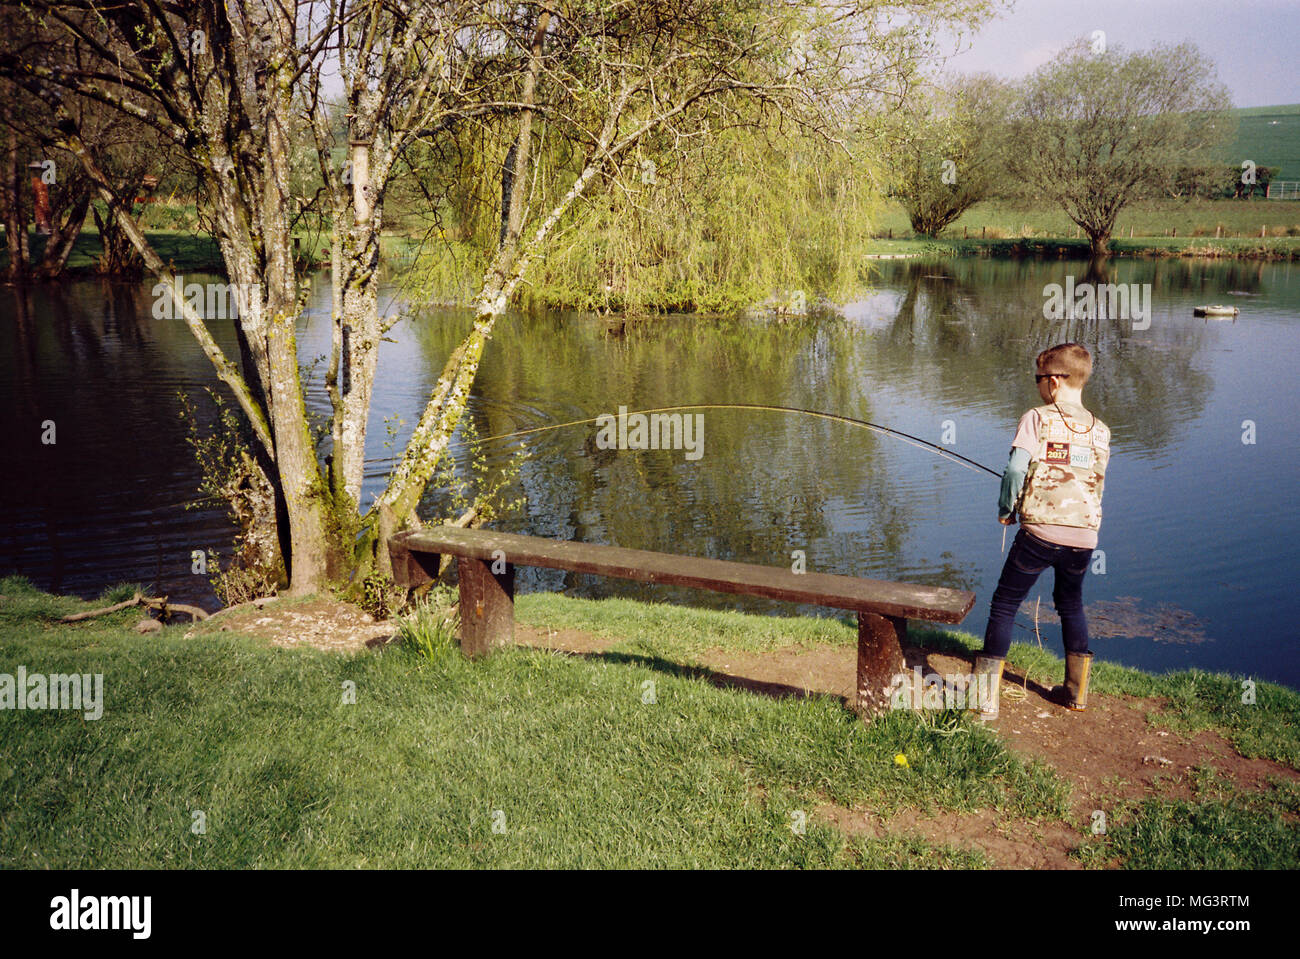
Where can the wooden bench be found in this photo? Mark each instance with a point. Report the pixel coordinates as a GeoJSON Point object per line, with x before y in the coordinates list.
{"type": "Point", "coordinates": [486, 562]}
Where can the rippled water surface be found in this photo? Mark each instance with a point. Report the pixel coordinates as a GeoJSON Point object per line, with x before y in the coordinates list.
{"type": "Point", "coordinates": [1200, 527]}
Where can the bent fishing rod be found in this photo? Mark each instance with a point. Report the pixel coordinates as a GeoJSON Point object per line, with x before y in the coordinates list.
{"type": "Point", "coordinates": [916, 441]}
{"type": "Point", "coordinates": [835, 417]}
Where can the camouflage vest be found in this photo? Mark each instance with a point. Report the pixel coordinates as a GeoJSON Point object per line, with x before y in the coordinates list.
{"type": "Point", "coordinates": [1064, 484]}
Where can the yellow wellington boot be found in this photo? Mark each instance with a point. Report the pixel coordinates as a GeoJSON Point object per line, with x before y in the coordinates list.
{"type": "Point", "coordinates": [985, 695]}
{"type": "Point", "coordinates": [1074, 694]}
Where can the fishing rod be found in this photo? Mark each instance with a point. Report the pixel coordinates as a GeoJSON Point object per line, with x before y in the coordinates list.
{"type": "Point", "coordinates": [862, 424]}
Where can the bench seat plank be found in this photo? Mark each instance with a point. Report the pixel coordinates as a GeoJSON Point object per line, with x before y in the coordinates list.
{"type": "Point", "coordinates": [900, 600]}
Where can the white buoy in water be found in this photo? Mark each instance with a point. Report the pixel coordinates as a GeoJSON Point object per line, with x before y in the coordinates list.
{"type": "Point", "coordinates": [1216, 310]}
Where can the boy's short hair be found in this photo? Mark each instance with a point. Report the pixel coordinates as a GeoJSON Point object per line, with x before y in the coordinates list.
{"type": "Point", "coordinates": [1071, 358]}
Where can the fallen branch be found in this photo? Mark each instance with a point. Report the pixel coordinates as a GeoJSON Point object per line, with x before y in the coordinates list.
{"type": "Point", "coordinates": [167, 608]}
{"type": "Point", "coordinates": [159, 603]}
{"type": "Point", "coordinates": [100, 612]}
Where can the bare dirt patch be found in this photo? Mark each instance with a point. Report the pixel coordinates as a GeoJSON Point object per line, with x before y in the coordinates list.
{"type": "Point", "coordinates": [1008, 843]}
{"type": "Point", "coordinates": [561, 640]}
{"type": "Point", "coordinates": [322, 623]}
{"type": "Point", "coordinates": [1111, 751]}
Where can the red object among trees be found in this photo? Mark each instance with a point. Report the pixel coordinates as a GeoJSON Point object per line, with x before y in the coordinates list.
{"type": "Point", "coordinates": [44, 225]}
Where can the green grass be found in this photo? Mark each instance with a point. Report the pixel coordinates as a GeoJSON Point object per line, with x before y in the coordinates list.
{"type": "Point", "coordinates": [1284, 248]}
{"type": "Point", "coordinates": [1271, 137]}
{"type": "Point", "coordinates": [185, 250]}
{"type": "Point", "coordinates": [679, 632]}
{"type": "Point", "coordinates": [1193, 700]}
{"type": "Point", "coordinates": [1217, 829]}
{"type": "Point", "coordinates": [562, 753]}
{"type": "Point", "coordinates": [1003, 229]}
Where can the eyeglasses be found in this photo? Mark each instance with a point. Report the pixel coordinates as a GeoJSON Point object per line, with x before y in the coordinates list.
{"type": "Point", "coordinates": [1039, 377]}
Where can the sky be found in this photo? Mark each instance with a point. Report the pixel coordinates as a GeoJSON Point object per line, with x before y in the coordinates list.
{"type": "Point", "coordinates": [1253, 43]}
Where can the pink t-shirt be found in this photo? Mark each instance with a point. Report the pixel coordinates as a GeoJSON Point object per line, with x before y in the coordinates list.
{"type": "Point", "coordinates": [1027, 439]}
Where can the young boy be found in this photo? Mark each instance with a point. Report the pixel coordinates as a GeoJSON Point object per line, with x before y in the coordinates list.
{"type": "Point", "coordinates": [1054, 481]}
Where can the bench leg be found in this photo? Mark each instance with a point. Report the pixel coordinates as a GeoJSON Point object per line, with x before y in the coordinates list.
{"type": "Point", "coordinates": [487, 606]}
{"type": "Point", "coordinates": [880, 662]}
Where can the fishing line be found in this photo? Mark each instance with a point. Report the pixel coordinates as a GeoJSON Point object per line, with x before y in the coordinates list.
{"type": "Point", "coordinates": [862, 424]}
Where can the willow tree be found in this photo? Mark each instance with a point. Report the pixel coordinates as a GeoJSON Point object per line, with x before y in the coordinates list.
{"type": "Point", "coordinates": [238, 85]}
{"type": "Point", "coordinates": [948, 149]}
{"type": "Point", "coordinates": [1099, 127]}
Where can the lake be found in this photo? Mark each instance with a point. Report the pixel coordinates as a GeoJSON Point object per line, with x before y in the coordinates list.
{"type": "Point", "coordinates": [1200, 504]}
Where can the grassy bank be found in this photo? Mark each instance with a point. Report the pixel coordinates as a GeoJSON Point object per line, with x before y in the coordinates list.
{"type": "Point", "coordinates": [185, 250]}
{"type": "Point", "coordinates": [1157, 228]}
{"type": "Point", "coordinates": [1269, 729]}
{"type": "Point", "coordinates": [529, 758]}
{"type": "Point", "coordinates": [561, 755]}
{"type": "Point", "coordinates": [1278, 248]}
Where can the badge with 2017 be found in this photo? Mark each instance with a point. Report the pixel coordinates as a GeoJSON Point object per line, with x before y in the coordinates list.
{"type": "Point", "coordinates": [1069, 454]}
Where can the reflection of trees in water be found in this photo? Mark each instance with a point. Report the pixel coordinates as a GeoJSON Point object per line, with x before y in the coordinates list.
{"type": "Point", "coordinates": [1210, 276]}
{"type": "Point", "coordinates": [976, 326]}
{"type": "Point", "coordinates": [964, 330]}
{"type": "Point", "coordinates": [23, 420]}
{"type": "Point", "coordinates": [91, 358]}
{"type": "Point", "coordinates": [762, 488]}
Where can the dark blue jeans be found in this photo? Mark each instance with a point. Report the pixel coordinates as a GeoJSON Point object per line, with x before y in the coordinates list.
{"type": "Point", "coordinates": [1028, 557]}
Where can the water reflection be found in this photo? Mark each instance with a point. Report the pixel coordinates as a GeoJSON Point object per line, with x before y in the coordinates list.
{"type": "Point", "coordinates": [106, 501]}
{"type": "Point", "coordinates": [934, 347]}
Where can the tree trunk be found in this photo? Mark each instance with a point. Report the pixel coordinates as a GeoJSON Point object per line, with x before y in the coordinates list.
{"type": "Point", "coordinates": [357, 329]}
{"type": "Point", "coordinates": [14, 218]}
{"type": "Point", "coordinates": [257, 246]}
{"type": "Point", "coordinates": [313, 555]}
{"type": "Point", "coordinates": [54, 259]}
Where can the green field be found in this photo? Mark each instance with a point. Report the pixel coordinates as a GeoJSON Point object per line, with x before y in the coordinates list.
{"type": "Point", "coordinates": [1270, 136]}
{"type": "Point", "coordinates": [1152, 219]}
